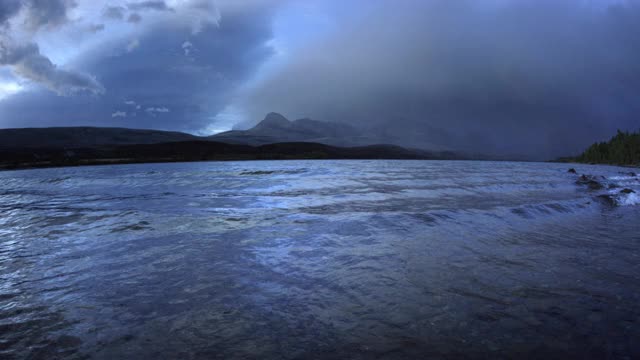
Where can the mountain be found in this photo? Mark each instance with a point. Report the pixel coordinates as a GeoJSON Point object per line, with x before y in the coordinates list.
{"type": "Point", "coordinates": [273, 138]}
{"type": "Point", "coordinates": [276, 128]}
{"type": "Point", "coordinates": [78, 137]}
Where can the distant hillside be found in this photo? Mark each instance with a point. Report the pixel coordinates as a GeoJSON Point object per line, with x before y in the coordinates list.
{"type": "Point", "coordinates": [273, 138]}
{"type": "Point", "coordinates": [198, 151]}
{"type": "Point", "coordinates": [275, 128]}
{"type": "Point", "coordinates": [622, 149]}
{"type": "Point", "coordinates": [85, 137]}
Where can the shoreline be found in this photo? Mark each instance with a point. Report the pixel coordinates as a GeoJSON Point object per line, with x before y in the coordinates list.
{"type": "Point", "coordinates": [107, 162]}
{"type": "Point", "coordinates": [194, 151]}
{"type": "Point", "coordinates": [100, 162]}
{"type": "Point", "coordinates": [191, 151]}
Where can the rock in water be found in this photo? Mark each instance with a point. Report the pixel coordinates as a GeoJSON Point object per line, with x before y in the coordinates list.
{"type": "Point", "coordinates": [594, 185]}
{"type": "Point", "coordinates": [572, 171]}
{"type": "Point", "coordinates": [583, 179]}
{"type": "Point", "coordinates": [627, 191]}
{"type": "Point", "coordinates": [607, 200]}
{"type": "Point", "coordinates": [590, 181]}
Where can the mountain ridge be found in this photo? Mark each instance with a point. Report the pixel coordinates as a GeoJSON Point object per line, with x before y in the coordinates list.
{"type": "Point", "coordinates": [275, 137]}
{"type": "Point", "coordinates": [276, 128]}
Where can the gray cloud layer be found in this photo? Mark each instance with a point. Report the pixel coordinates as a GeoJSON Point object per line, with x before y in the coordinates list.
{"type": "Point", "coordinates": [540, 78]}
{"type": "Point", "coordinates": [39, 12]}
{"type": "Point", "coordinates": [8, 8]}
{"type": "Point", "coordinates": [26, 59]}
{"type": "Point", "coordinates": [114, 12]}
{"type": "Point", "coordinates": [29, 63]}
{"type": "Point", "coordinates": [156, 84]}
{"type": "Point", "coordinates": [47, 13]}
{"type": "Point", "coordinates": [134, 9]}
{"type": "Point", "coordinates": [158, 5]}
{"type": "Point", "coordinates": [535, 77]}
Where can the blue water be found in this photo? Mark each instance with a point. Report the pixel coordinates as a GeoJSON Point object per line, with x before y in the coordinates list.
{"type": "Point", "coordinates": [318, 259]}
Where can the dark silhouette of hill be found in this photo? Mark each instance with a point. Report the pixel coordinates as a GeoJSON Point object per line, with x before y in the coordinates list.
{"type": "Point", "coordinates": [85, 137]}
{"type": "Point", "coordinates": [15, 158]}
{"type": "Point", "coordinates": [275, 128]}
{"type": "Point", "coordinates": [273, 138]}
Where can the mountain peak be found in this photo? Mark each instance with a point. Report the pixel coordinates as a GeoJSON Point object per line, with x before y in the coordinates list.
{"type": "Point", "coordinates": [276, 119]}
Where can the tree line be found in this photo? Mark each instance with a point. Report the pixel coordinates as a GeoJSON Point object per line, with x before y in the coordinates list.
{"type": "Point", "coordinates": [622, 149]}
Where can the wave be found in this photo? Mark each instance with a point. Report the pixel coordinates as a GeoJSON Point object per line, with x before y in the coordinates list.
{"type": "Point", "coordinates": [628, 199]}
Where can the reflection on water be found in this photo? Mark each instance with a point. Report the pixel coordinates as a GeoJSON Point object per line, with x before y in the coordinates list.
{"type": "Point", "coordinates": [317, 259]}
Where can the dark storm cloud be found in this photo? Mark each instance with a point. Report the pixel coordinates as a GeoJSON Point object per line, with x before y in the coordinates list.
{"type": "Point", "coordinates": [8, 8]}
{"type": "Point", "coordinates": [25, 57]}
{"type": "Point", "coordinates": [47, 13]}
{"type": "Point", "coordinates": [541, 78]}
{"type": "Point", "coordinates": [29, 63]}
{"type": "Point", "coordinates": [39, 13]}
{"type": "Point", "coordinates": [156, 85]}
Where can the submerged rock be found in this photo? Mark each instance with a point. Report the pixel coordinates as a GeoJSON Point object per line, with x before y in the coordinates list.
{"type": "Point", "coordinates": [607, 200]}
{"type": "Point", "coordinates": [590, 181]}
{"type": "Point", "coordinates": [627, 191]}
{"type": "Point", "coordinates": [594, 185]}
{"type": "Point", "coordinates": [583, 179]}
{"type": "Point", "coordinates": [572, 171]}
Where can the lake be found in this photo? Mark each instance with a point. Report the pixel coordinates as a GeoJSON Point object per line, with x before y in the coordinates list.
{"type": "Point", "coordinates": [318, 259]}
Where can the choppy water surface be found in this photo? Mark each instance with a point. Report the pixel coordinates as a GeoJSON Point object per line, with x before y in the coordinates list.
{"type": "Point", "coordinates": [317, 259]}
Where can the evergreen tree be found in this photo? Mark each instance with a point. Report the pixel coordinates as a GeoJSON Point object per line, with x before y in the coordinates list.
{"type": "Point", "coordinates": [622, 149]}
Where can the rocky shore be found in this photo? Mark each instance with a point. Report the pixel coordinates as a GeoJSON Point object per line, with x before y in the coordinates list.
{"type": "Point", "coordinates": [610, 191]}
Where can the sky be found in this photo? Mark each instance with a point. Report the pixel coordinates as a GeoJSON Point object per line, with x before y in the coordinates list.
{"type": "Point", "coordinates": [537, 78]}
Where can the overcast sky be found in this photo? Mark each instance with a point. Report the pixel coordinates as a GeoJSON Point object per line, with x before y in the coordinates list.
{"type": "Point", "coordinates": [534, 77]}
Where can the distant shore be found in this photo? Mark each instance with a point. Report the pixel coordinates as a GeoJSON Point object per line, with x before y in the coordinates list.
{"type": "Point", "coordinates": [191, 151]}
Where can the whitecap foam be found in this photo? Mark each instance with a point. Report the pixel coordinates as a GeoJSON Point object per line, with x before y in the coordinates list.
{"type": "Point", "coordinates": [625, 177]}
{"type": "Point", "coordinates": [628, 199]}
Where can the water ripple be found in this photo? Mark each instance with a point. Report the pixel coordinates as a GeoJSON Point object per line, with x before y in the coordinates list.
{"type": "Point", "coordinates": [317, 259]}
